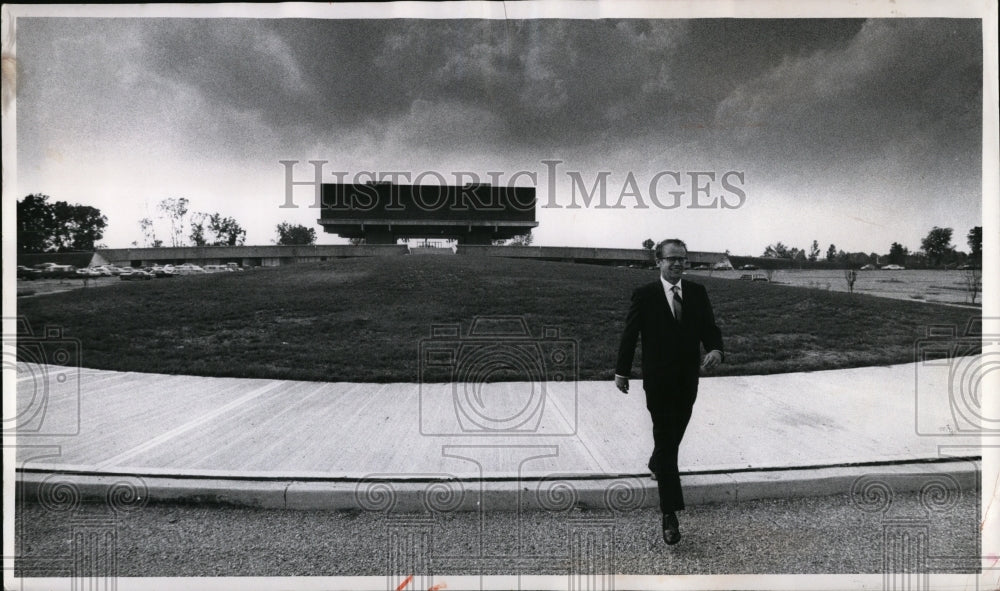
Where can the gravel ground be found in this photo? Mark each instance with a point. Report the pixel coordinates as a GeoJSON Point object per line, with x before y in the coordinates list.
{"type": "Point", "coordinates": [803, 535]}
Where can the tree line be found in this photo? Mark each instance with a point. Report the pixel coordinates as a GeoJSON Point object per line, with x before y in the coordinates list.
{"type": "Point", "coordinates": [44, 225]}
{"type": "Point", "coordinates": [936, 250]}
{"type": "Point", "coordinates": [47, 226]}
{"type": "Point", "coordinates": [57, 226]}
{"type": "Point", "coordinates": [200, 228]}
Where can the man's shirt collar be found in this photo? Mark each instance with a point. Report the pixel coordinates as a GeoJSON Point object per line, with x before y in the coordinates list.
{"type": "Point", "coordinates": [667, 287]}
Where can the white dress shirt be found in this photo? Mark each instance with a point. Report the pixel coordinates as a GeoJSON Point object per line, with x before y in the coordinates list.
{"type": "Point", "coordinates": [668, 290]}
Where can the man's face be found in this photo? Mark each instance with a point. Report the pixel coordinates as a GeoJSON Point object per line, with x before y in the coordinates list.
{"type": "Point", "coordinates": [672, 261]}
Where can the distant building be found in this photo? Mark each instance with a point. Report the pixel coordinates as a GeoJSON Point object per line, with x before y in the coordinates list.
{"type": "Point", "coordinates": [381, 213]}
{"type": "Point", "coordinates": [244, 256]}
{"type": "Point", "coordinates": [274, 255]}
{"type": "Point", "coordinates": [709, 260]}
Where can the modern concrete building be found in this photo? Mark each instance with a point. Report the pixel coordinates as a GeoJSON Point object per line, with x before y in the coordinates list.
{"type": "Point", "coordinates": [269, 256]}
{"type": "Point", "coordinates": [245, 256]}
{"type": "Point", "coordinates": [381, 213]}
{"type": "Point", "coordinates": [601, 256]}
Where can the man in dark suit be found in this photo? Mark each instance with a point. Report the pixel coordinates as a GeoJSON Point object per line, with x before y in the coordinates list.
{"type": "Point", "coordinates": [675, 319]}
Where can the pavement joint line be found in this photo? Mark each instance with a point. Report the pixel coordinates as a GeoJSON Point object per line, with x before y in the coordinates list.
{"type": "Point", "coordinates": [316, 387]}
{"type": "Point", "coordinates": [574, 425]}
{"type": "Point", "coordinates": [164, 437]}
{"type": "Point", "coordinates": [599, 459]}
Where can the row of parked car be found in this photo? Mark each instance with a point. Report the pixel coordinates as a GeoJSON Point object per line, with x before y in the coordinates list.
{"type": "Point", "coordinates": [54, 271]}
{"type": "Point", "coordinates": [167, 271]}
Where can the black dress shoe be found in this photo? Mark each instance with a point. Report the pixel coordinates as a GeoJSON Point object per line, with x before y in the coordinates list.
{"type": "Point", "coordinates": [671, 529]}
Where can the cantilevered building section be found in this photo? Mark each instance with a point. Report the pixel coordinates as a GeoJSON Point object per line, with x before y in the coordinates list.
{"type": "Point", "coordinates": [383, 212]}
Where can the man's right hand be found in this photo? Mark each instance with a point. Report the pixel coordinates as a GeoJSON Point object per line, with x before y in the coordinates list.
{"type": "Point", "coordinates": [622, 384]}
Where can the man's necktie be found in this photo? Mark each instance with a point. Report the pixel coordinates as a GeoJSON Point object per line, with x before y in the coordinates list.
{"type": "Point", "coordinates": [677, 303]}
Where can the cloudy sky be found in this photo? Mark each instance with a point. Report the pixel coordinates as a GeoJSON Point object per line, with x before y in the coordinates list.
{"type": "Point", "coordinates": [852, 132]}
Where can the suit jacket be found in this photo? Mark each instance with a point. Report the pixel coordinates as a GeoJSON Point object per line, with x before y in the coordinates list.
{"type": "Point", "coordinates": [671, 353]}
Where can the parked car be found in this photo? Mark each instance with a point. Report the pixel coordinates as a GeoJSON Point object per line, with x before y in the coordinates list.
{"type": "Point", "coordinates": [87, 272]}
{"type": "Point", "coordinates": [28, 273]}
{"type": "Point", "coordinates": [869, 267]}
{"type": "Point", "coordinates": [188, 269]}
{"type": "Point", "coordinates": [217, 269]}
{"type": "Point", "coordinates": [893, 268]}
{"type": "Point", "coordinates": [749, 268]}
{"type": "Point", "coordinates": [54, 270]}
{"type": "Point", "coordinates": [136, 275]}
{"type": "Point", "coordinates": [162, 272]}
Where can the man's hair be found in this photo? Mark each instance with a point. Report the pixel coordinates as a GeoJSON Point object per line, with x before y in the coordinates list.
{"type": "Point", "coordinates": [659, 247]}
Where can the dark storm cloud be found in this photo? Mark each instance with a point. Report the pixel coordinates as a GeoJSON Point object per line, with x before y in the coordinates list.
{"type": "Point", "coordinates": [530, 83]}
{"type": "Point", "coordinates": [900, 87]}
{"type": "Point", "coordinates": [797, 90]}
{"type": "Point", "coordinates": [243, 64]}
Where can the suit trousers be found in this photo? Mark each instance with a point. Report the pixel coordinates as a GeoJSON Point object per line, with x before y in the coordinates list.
{"type": "Point", "coordinates": [669, 425]}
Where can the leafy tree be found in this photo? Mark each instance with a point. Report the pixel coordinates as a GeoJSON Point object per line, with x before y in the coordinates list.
{"type": "Point", "coordinates": [778, 250]}
{"type": "Point", "coordinates": [648, 244]}
{"type": "Point", "coordinates": [59, 226]}
{"type": "Point", "coordinates": [898, 254]}
{"type": "Point", "coordinates": [975, 241]}
{"type": "Point", "coordinates": [86, 227]}
{"type": "Point", "coordinates": [814, 252]}
{"type": "Point", "coordinates": [937, 244]}
{"type": "Point", "coordinates": [175, 210]}
{"type": "Point", "coordinates": [149, 233]}
{"type": "Point", "coordinates": [289, 234]}
{"type": "Point", "coordinates": [858, 259]}
{"type": "Point", "coordinates": [831, 253]}
{"type": "Point", "coordinates": [198, 229]}
{"type": "Point", "coordinates": [226, 230]}
{"type": "Point", "coordinates": [36, 224]}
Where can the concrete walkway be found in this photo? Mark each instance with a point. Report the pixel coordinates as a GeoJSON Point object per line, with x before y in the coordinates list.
{"type": "Point", "coordinates": [405, 447]}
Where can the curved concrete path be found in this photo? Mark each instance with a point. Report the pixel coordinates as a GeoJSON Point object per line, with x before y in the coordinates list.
{"type": "Point", "coordinates": [312, 445]}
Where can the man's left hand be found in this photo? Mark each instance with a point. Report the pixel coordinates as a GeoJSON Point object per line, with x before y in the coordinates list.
{"type": "Point", "coordinates": [712, 359]}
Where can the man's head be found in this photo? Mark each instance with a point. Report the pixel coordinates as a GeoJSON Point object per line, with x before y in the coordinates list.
{"type": "Point", "coordinates": [671, 258]}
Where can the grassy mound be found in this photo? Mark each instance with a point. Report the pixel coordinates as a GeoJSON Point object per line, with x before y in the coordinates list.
{"type": "Point", "coordinates": [364, 319]}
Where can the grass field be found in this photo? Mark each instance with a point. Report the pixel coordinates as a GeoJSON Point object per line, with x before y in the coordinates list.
{"type": "Point", "coordinates": [363, 319]}
{"type": "Point", "coordinates": [928, 285]}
